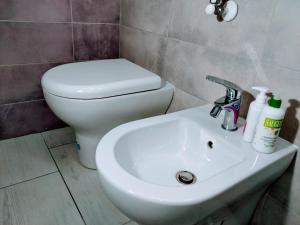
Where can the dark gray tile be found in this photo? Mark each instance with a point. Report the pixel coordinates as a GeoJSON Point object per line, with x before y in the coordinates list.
{"type": "Point", "coordinates": [84, 184]}
{"type": "Point", "coordinates": [22, 83]}
{"type": "Point", "coordinates": [25, 118]}
{"type": "Point", "coordinates": [24, 158]}
{"type": "Point", "coordinates": [58, 137]}
{"type": "Point", "coordinates": [271, 212]}
{"type": "Point", "coordinates": [96, 41]}
{"type": "Point", "coordinates": [96, 11]}
{"type": "Point", "coordinates": [42, 201]}
{"type": "Point", "coordinates": [143, 48]}
{"type": "Point", "coordinates": [22, 43]}
{"type": "Point", "coordinates": [35, 10]}
{"type": "Point", "coordinates": [148, 15]}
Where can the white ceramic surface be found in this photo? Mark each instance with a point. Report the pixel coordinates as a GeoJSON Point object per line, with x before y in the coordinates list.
{"type": "Point", "coordinates": [99, 79]}
{"type": "Point", "coordinates": [137, 163]}
{"type": "Point", "coordinates": [94, 97]}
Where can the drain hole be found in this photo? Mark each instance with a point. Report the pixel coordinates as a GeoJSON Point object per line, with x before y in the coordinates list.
{"type": "Point", "coordinates": [210, 144]}
{"type": "Point", "coordinates": [185, 177]}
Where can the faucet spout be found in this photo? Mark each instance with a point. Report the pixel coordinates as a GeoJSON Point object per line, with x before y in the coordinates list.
{"type": "Point", "coordinates": [215, 111]}
{"type": "Point", "coordinates": [230, 103]}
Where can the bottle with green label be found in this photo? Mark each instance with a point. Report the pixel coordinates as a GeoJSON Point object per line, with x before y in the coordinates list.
{"type": "Point", "coordinates": [269, 125]}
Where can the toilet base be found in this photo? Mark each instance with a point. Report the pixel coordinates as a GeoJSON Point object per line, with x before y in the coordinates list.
{"type": "Point", "coordinates": [86, 145]}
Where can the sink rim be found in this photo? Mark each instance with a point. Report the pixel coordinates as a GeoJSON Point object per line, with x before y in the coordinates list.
{"type": "Point", "coordinates": [110, 170]}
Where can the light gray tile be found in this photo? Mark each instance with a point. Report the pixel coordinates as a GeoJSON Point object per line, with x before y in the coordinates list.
{"type": "Point", "coordinates": [24, 158]}
{"type": "Point", "coordinates": [271, 212]}
{"type": "Point", "coordinates": [149, 15]}
{"type": "Point", "coordinates": [42, 201]}
{"type": "Point", "coordinates": [282, 46]}
{"type": "Point", "coordinates": [246, 33]}
{"type": "Point", "coordinates": [85, 187]}
{"type": "Point", "coordinates": [285, 83]}
{"type": "Point", "coordinates": [186, 66]}
{"type": "Point", "coordinates": [57, 137]}
{"type": "Point", "coordinates": [143, 48]}
{"type": "Point", "coordinates": [182, 100]}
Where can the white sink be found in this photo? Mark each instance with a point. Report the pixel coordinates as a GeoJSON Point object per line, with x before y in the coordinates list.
{"type": "Point", "coordinates": [138, 163]}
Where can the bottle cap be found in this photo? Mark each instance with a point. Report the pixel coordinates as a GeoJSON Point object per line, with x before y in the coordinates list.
{"type": "Point", "coordinates": [262, 96]}
{"type": "Point", "coordinates": [275, 102]}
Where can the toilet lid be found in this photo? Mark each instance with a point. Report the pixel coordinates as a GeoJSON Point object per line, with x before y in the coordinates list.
{"type": "Point", "coordinates": [99, 79]}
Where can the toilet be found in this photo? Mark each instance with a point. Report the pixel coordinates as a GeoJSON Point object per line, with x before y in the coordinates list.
{"type": "Point", "coordinates": [96, 96]}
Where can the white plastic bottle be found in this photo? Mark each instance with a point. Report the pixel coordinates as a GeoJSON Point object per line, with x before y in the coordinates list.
{"type": "Point", "coordinates": [254, 112]}
{"type": "Point", "coordinates": [269, 126]}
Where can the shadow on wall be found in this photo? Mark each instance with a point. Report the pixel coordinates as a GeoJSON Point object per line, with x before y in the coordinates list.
{"type": "Point", "coordinates": [291, 123]}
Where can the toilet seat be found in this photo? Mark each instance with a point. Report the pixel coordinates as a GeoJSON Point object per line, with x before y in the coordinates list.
{"type": "Point", "coordinates": [99, 79]}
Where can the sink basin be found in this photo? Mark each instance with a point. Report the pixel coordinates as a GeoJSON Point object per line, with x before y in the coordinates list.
{"type": "Point", "coordinates": [154, 153]}
{"type": "Point", "coordinates": [181, 167]}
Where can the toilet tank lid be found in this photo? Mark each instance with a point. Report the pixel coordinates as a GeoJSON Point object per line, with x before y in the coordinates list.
{"type": "Point", "coordinates": [99, 79]}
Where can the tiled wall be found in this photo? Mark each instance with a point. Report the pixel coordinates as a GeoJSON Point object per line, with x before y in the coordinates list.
{"type": "Point", "coordinates": [175, 39]}
{"type": "Point", "coordinates": [36, 35]}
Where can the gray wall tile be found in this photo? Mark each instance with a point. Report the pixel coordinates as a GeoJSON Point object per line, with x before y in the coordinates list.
{"type": "Point", "coordinates": [149, 15]}
{"type": "Point", "coordinates": [42, 201]}
{"type": "Point", "coordinates": [96, 41]}
{"type": "Point", "coordinates": [95, 207]}
{"type": "Point", "coordinates": [40, 43]}
{"type": "Point", "coordinates": [25, 118]}
{"type": "Point", "coordinates": [96, 11]}
{"type": "Point", "coordinates": [182, 100]}
{"type": "Point", "coordinates": [283, 46]}
{"type": "Point", "coordinates": [35, 10]}
{"type": "Point", "coordinates": [22, 83]}
{"type": "Point", "coordinates": [143, 48]}
{"type": "Point", "coordinates": [186, 65]}
{"type": "Point", "coordinates": [24, 158]}
{"type": "Point", "coordinates": [191, 24]}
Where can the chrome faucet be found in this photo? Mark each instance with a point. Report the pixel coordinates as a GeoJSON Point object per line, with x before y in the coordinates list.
{"type": "Point", "coordinates": [230, 103]}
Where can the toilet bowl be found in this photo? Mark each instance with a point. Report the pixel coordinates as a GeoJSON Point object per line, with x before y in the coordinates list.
{"type": "Point", "coordinates": [96, 96]}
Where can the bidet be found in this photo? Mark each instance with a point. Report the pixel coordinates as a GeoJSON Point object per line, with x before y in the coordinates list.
{"type": "Point", "coordinates": [182, 168]}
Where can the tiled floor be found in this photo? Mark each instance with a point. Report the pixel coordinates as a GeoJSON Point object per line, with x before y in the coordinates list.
{"type": "Point", "coordinates": [42, 183]}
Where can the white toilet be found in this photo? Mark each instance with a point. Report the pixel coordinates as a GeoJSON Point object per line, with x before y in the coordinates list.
{"type": "Point", "coordinates": [96, 96]}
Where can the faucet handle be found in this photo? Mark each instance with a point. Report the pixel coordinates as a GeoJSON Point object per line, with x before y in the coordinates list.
{"type": "Point", "coordinates": [233, 91]}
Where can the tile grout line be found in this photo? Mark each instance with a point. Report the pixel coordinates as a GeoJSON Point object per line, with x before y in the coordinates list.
{"type": "Point", "coordinates": [57, 22]}
{"type": "Point", "coordinates": [58, 170]}
{"type": "Point", "coordinates": [32, 63]}
{"type": "Point", "coordinates": [23, 102]}
{"type": "Point", "coordinates": [72, 28]}
{"type": "Point", "coordinates": [31, 179]}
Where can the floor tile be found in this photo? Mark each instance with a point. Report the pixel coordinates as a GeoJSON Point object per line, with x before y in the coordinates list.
{"type": "Point", "coordinates": [131, 223]}
{"type": "Point", "coordinates": [58, 137]}
{"type": "Point", "coordinates": [42, 201]}
{"type": "Point", "coordinates": [24, 158]}
{"type": "Point", "coordinates": [85, 187]}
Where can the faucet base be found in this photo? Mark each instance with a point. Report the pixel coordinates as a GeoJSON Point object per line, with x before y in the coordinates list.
{"type": "Point", "coordinates": [229, 129]}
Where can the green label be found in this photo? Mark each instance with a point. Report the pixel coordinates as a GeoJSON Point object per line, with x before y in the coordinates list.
{"type": "Point", "coordinates": [271, 123]}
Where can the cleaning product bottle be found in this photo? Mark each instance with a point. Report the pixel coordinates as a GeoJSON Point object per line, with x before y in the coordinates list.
{"type": "Point", "coordinates": [269, 126]}
{"type": "Point", "coordinates": [254, 112]}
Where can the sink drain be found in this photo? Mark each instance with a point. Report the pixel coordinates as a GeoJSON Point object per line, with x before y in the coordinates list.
{"type": "Point", "coordinates": [185, 177]}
